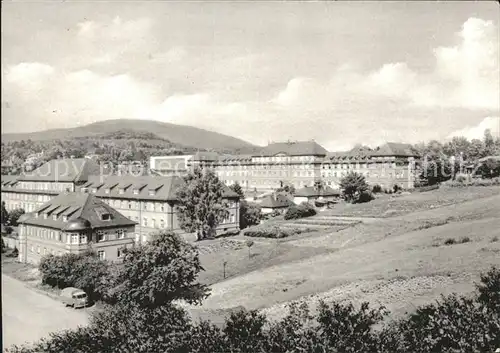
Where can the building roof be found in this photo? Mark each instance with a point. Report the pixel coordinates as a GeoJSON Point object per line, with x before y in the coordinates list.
{"type": "Point", "coordinates": [8, 180]}
{"type": "Point", "coordinates": [395, 149]}
{"type": "Point", "coordinates": [205, 157]}
{"type": "Point", "coordinates": [276, 201]}
{"type": "Point", "coordinates": [310, 191]}
{"type": "Point", "coordinates": [298, 148]}
{"type": "Point", "coordinates": [81, 210]}
{"type": "Point", "coordinates": [63, 170]}
{"type": "Point", "coordinates": [164, 188]}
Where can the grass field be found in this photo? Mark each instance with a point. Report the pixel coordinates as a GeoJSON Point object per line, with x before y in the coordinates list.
{"type": "Point", "coordinates": [400, 261]}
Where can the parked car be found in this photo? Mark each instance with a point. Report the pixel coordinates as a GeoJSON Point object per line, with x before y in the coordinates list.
{"type": "Point", "coordinates": [74, 297]}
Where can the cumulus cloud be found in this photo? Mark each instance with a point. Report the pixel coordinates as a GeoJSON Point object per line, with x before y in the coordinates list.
{"type": "Point", "coordinates": [477, 132]}
{"type": "Point", "coordinates": [392, 102]}
{"type": "Point", "coordinates": [29, 76]}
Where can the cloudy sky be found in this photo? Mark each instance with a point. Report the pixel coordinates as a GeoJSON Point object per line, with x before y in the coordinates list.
{"type": "Point", "coordinates": [339, 72]}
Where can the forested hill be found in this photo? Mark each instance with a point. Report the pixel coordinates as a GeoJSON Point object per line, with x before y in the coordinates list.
{"type": "Point", "coordinates": [175, 134]}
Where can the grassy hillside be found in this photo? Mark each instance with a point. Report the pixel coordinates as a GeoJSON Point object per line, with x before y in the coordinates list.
{"type": "Point", "coordinates": [434, 243]}
{"type": "Point", "coordinates": [177, 134]}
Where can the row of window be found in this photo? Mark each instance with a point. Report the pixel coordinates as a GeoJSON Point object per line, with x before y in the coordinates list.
{"type": "Point", "coordinates": [100, 253]}
{"type": "Point", "coordinates": [135, 205]}
{"type": "Point", "coordinates": [73, 238]}
{"type": "Point", "coordinates": [26, 197]}
{"type": "Point", "coordinates": [55, 186]}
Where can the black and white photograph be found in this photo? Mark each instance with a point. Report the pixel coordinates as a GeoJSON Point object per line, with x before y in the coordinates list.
{"type": "Point", "coordinates": [250, 176]}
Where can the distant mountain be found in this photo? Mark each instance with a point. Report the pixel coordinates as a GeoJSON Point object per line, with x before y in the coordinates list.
{"type": "Point", "coordinates": [178, 134]}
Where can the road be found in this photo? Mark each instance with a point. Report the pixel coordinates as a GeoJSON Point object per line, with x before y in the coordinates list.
{"type": "Point", "coordinates": [28, 315]}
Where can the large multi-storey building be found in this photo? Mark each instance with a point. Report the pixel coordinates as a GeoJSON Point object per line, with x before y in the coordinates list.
{"type": "Point", "coordinates": [74, 222]}
{"type": "Point", "coordinates": [301, 164]}
{"type": "Point", "coordinates": [148, 200]}
{"type": "Point", "coordinates": [32, 189]}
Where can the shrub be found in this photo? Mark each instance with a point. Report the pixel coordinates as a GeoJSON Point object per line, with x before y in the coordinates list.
{"type": "Point", "coordinates": [377, 189]}
{"type": "Point", "coordinates": [364, 196]}
{"type": "Point", "coordinates": [14, 216]}
{"type": "Point", "coordinates": [397, 188]}
{"type": "Point", "coordinates": [452, 324]}
{"type": "Point", "coordinates": [250, 214]}
{"type": "Point", "coordinates": [84, 271]}
{"type": "Point", "coordinates": [275, 232]}
{"type": "Point", "coordinates": [301, 211]}
{"type": "Point", "coordinates": [353, 184]}
{"type": "Point", "coordinates": [464, 240]}
{"type": "Point", "coordinates": [450, 241]}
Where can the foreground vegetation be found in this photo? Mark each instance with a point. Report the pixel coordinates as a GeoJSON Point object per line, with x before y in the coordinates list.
{"type": "Point", "coordinates": [141, 316]}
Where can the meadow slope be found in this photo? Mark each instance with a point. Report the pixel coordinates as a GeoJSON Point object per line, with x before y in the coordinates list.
{"type": "Point", "coordinates": [399, 262]}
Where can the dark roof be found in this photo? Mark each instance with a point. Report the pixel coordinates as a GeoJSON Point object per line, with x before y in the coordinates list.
{"type": "Point", "coordinates": [395, 149]}
{"type": "Point", "coordinates": [276, 201]}
{"type": "Point", "coordinates": [7, 180]}
{"type": "Point", "coordinates": [299, 148]}
{"type": "Point", "coordinates": [205, 157]}
{"type": "Point", "coordinates": [309, 191]}
{"type": "Point", "coordinates": [80, 210]}
{"type": "Point", "coordinates": [165, 187]}
{"type": "Point", "coordinates": [65, 170]}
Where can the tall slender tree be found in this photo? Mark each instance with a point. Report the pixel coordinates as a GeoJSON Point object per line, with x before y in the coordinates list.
{"type": "Point", "coordinates": [201, 206]}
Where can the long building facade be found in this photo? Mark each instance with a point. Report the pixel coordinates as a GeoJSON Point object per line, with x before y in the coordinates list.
{"type": "Point", "coordinates": [302, 164]}
{"type": "Point", "coordinates": [149, 201]}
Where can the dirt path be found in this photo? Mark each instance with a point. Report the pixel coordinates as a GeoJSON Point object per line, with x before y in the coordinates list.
{"type": "Point", "coordinates": [28, 316]}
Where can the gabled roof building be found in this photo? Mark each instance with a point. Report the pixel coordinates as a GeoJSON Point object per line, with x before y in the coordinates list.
{"type": "Point", "coordinates": [74, 222]}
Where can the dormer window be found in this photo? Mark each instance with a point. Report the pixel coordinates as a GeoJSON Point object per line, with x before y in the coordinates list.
{"type": "Point", "coordinates": [106, 191]}
{"type": "Point", "coordinates": [36, 215]}
{"type": "Point", "coordinates": [94, 190]}
{"type": "Point", "coordinates": [121, 191]}
{"type": "Point", "coordinates": [136, 191]}
{"type": "Point", "coordinates": [65, 218]}
{"type": "Point", "coordinates": [54, 217]}
{"type": "Point", "coordinates": [45, 215]}
{"type": "Point", "coordinates": [106, 217]}
{"type": "Point", "coordinates": [152, 192]}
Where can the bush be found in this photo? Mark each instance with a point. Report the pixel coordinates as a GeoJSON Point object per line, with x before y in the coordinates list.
{"type": "Point", "coordinates": [377, 189]}
{"type": "Point", "coordinates": [450, 241]}
{"type": "Point", "coordinates": [275, 232]}
{"type": "Point", "coordinates": [464, 240]}
{"type": "Point", "coordinates": [301, 211]}
{"type": "Point", "coordinates": [84, 271]}
{"type": "Point", "coordinates": [14, 216]}
{"type": "Point", "coordinates": [353, 184]}
{"type": "Point", "coordinates": [397, 188]}
{"type": "Point", "coordinates": [365, 196]}
{"type": "Point", "coordinates": [250, 214]}
{"type": "Point", "coordinates": [452, 324]}
{"type": "Point", "coordinates": [427, 188]}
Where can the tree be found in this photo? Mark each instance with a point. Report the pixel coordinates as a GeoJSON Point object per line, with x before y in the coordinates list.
{"type": "Point", "coordinates": [5, 215]}
{"type": "Point", "coordinates": [436, 170]}
{"type": "Point", "coordinates": [14, 216]}
{"type": "Point", "coordinates": [250, 214]}
{"type": "Point", "coordinates": [476, 149]}
{"type": "Point", "coordinates": [352, 185]}
{"type": "Point", "coordinates": [237, 189]}
{"type": "Point", "coordinates": [489, 143]}
{"type": "Point", "coordinates": [458, 147]}
{"type": "Point", "coordinates": [158, 273]}
{"type": "Point", "coordinates": [201, 206]}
